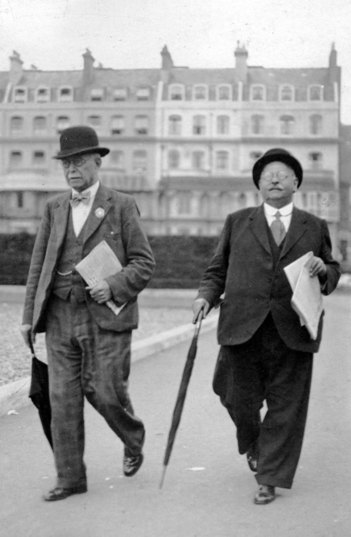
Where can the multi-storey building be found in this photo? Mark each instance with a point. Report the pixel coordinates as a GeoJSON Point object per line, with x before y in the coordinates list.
{"type": "Point", "coordinates": [182, 140]}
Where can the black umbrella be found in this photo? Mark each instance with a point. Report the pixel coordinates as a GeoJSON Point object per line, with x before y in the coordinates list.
{"type": "Point", "coordinates": [39, 392]}
{"type": "Point", "coordinates": [178, 408]}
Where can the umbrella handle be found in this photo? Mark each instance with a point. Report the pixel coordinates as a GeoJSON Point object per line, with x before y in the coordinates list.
{"type": "Point", "coordinates": [31, 346]}
{"type": "Point", "coordinates": [198, 323]}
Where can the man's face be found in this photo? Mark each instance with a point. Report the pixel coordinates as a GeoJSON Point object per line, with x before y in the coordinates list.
{"type": "Point", "coordinates": [277, 184]}
{"type": "Point", "coordinates": [81, 171]}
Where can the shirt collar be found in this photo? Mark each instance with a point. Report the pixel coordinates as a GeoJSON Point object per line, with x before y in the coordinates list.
{"type": "Point", "coordinates": [92, 189]}
{"type": "Point", "coordinates": [284, 211]}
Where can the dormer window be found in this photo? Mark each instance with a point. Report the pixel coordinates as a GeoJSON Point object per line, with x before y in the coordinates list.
{"type": "Point", "coordinates": [141, 125]}
{"type": "Point", "coordinates": [315, 93]}
{"type": "Point", "coordinates": [224, 92]}
{"type": "Point", "coordinates": [94, 121]}
{"type": "Point", "coordinates": [287, 124]}
{"type": "Point", "coordinates": [96, 94]}
{"type": "Point", "coordinates": [143, 94]}
{"type": "Point", "coordinates": [176, 92]}
{"type": "Point", "coordinates": [286, 93]}
{"type": "Point", "coordinates": [65, 94]}
{"type": "Point", "coordinates": [62, 123]}
{"type": "Point", "coordinates": [20, 94]}
{"type": "Point", "coordinates": [257, 92]}
{"type": "Point", "coordinates": [16, 125]}
{"type": "Point", "coordinates": [43, 95]}
{"type": "Point", "coordinates": [200, 93]}
{"type": "Point", "coordinates": [119, 94]}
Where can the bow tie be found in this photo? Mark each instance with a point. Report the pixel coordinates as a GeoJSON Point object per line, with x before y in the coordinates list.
{"type": "Point", "coordinates": [77, 198]}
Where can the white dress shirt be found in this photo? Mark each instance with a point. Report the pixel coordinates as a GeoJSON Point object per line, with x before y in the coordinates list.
{"type": "Point", "coordinates": [81, 212]}
{"type": "Point", "coordinates": [285, 214]}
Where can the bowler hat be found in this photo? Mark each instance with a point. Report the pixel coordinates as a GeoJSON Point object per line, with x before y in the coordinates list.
{"type": "Point", "coordinates": [274, 155]}
{"type": "Point", "coordinates": [79, 140]}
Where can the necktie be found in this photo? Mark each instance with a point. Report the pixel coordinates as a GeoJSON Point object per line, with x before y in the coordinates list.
{"type": "Point", "coordinates": [278, 229]}
{"type": "Point", "coordinates": [77, 198]}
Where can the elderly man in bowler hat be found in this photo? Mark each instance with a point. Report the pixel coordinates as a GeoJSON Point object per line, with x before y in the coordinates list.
{"type": "Point", "coordinates": [265, 354]}
{"type": "Point", "coordinates": [88, 346]}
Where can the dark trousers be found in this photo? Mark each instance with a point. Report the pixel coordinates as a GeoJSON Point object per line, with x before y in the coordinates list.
{"type": "Point", "coordinates": [262, 370]}
{"type": "Point", "coordinates": [85, 360]}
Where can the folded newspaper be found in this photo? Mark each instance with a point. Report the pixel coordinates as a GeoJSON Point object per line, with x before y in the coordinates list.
{"type": "Point", "coordinates": [307, 297]}
{"type": "Point", "coordinates": [99, 264]}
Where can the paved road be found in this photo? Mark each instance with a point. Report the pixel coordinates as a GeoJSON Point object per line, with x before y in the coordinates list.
{"type": "Point", "coordinates": [208, 489]}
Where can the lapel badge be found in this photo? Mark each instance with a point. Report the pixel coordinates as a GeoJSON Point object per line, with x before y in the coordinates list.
{"type": "Point", "coordinates": [99, 212]}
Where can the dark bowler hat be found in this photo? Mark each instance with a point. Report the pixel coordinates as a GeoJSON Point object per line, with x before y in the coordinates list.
{"type": "Point", "coordinates": [274, 155]}
{"type": "Point", "coordinates": [79, 140]}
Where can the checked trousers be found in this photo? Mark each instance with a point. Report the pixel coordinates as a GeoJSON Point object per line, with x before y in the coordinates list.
{"type": "Point", "coordinates": [86, 361]}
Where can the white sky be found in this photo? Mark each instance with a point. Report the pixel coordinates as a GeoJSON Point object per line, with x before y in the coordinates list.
{"type": "Point", "coordinates": [53, 34]}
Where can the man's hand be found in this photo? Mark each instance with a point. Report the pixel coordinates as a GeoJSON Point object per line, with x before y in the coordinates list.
{"type": "Point", "coordinates": [100, 292]}
{"type": "Point", "coordinates": [26, 331]}
{"type": "Point", "coordinates": [317, 267]}
{"type": "Point", "coordinates": [200, 304]}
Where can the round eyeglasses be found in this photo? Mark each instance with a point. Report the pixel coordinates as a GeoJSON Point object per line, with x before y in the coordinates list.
{"type": "Point", "coordinates": [268, 176]}
{"type": "Point", "coordinates": [76, 161]}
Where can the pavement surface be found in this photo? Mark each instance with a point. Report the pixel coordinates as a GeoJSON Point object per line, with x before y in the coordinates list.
{"type": "Point", "coordinates": [208, 489]}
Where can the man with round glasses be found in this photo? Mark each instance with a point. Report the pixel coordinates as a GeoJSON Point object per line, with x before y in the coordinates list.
{"type": "Point", "coordinates": [265, 353]}
{"type": "Point", "coordinates": [88, 345]}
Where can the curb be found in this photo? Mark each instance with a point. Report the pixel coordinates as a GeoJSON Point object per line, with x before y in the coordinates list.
{"type": "Point", "coordinates": [15, 394]}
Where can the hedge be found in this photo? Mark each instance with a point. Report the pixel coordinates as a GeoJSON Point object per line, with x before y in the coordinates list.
{"type": "Point", "coordinates": [180, 260]}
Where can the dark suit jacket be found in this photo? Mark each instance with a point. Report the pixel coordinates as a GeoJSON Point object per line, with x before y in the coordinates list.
{"type": "Point", "coordinates": [119, 225]}
{"type": "Point", "coordinates": [243, 269]}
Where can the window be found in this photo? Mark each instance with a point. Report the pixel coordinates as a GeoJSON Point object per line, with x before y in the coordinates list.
{"type": "Point", "coordinates": [183, 203]}
{"type": "Point", "coordinates": [224, 93]}
{"type": "Point", "coordinates": [315, 124]}
{"type": "Point", "coordinates": [286, 93]}
{"type": "Point", "coordinates": [117, 159]}
{"type": "Point", "coordinates": [20, 94]}
{"type": "Point", "coordinates": [139, 163]}
{"type": "Point", "coordinates": [174, 125]}
{"type": "Point", "coordinates": [200, 93]}
{"type": "Point", "coordinates": [65, 94]}
{"type": "Point", "coordinates": [286, 124]}
{"type": "Point", "coordinates": [176, 92]}
{"type": "Point", "coordinates": [173, 159]}
{"type": "Point", "coordinates": [199, 125]}
{"type": "Point", "coordinates": [257, 93]}
{"type": "Point", "coordinates": [143, 94]}
{"type": "Point", "coordinates": [96, 94]}
{"type": "Point", "coordinates": [222, 160]}
{"type": "Point", "coordinates": [222, 125]}
{"type": "Point", "coordinates": [62, 123]}
{"type": "Point", "coordinates": [117, 125]}
{"type": "Point", "coordinates": [20, 200]}
{"type": "Point", "coordinates": [16, 125]}
{"type": "Point", "coordinates": [198, 160]}
{"type": "Point", "coordinates": [315, 93]}
{"type": "Point", "coordinates": [43, 95]}
{"type": "Point", "coordinates": [38, 158]}
{"type": "Point", "coordinates": [94, 121]}
{"type": "Point", "coordinates": [257, 124]}
{"type": "Point", "coordinates": [141, 125]}
{"type": "Point", "coordinates": [15, 159]}
{"type": "Point", "coordinates": [316, 160]}
{"type": "Point", "coordinates": [39, 125]}
{"type": "Point", "coordinates": [119, 94]}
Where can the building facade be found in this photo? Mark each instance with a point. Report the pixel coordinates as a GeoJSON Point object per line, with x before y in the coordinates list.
{"type": "Point", "coordinates": [182, 140]}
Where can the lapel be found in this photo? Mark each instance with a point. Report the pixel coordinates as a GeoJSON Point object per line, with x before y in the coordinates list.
{"type": "Point", "coordinates": [61, 218]}
{"type": "Point", "coordinates": [99, 210]}
{"type": "Point", "coordinates": [258, 225]}
{"type": "Point", "coordinates": [297, 228]}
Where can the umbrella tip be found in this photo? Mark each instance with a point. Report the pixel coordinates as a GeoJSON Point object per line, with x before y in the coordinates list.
{"type": "Point", "coordinates": [162, 477]}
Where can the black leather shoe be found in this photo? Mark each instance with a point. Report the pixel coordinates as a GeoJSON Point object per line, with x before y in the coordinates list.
{"type": "Point", "coordinates": [59, 493]}
{"type": "Point", "coordinates": [252, 457]}
{"type": "Point", "coordinates": [132, 464]}
{"type": "Point", "coordinates": [264, 495]}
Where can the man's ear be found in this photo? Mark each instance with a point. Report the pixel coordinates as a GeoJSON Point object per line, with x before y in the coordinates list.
{"type": "Point", "coordinates": [98, 161]}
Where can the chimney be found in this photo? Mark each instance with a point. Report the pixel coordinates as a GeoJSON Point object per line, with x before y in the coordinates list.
{"type": "Point", "coordinates": [16, 68]}
{"type": "Point", "coordinates": [333, 56]}
{"type": "Point", "coordinates": [88, 70]}
{"type": "Point", "coordinates": [241, 55]}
